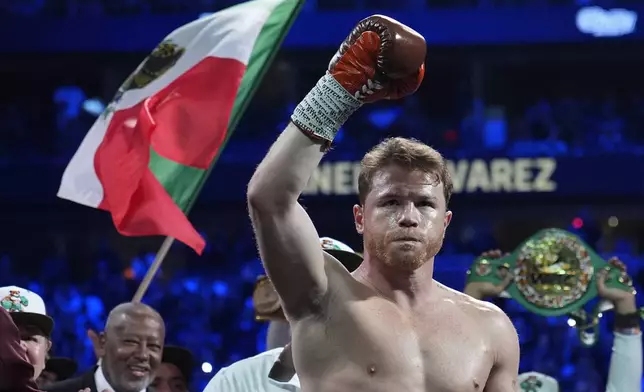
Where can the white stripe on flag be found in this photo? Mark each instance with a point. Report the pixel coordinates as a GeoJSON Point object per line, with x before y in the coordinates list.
{"type": "Point", "coordinates": [230, 33]}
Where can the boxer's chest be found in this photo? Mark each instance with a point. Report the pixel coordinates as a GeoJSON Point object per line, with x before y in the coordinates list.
{"type": "Point", "coordinates": [457, 356]}
{"type": "Point", "coordinates": [433, 351]}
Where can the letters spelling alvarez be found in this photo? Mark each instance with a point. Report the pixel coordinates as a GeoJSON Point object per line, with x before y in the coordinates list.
{"type": "Point", "coordinates": [499, 175]}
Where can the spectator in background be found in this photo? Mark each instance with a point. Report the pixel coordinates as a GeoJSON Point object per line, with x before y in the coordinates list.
{"type": "Point", "coordinates": [540, 122]}
{"type": "Point", "coordinates": [569, 115]}
{"type": "Point", "coordinates": [175, 371]}
{"type": "Point", "coordinates": [472, 126]}
{"type": "Point", "coordinates": [27, 309]}
{"type": "Point", "coordinates": [14, 131]}
{"type": "Point", "coordinates": [610, 125]}
{"type": "Point", "coordinates": [22, 361]}
{"type": "Point", "coordinates": [56, 369]}
{"type": "Point", "coordinates": [636, 119]}
{"type": "Point", "coordinates": [131, 349]}
{"type": "Point", "coordinates": [69, 118]}
{"type": "Point", "coordinates": [16, 373]}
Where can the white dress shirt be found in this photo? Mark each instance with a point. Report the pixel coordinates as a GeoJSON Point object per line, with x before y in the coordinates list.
{"type": "Point", "coordinates": [101, 381]}
{"type": "Point", "coordinates": [251, 375]}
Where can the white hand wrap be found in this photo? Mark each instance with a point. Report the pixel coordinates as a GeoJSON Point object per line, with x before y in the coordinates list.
{"type": "Point", "coordinates": [325, 108]}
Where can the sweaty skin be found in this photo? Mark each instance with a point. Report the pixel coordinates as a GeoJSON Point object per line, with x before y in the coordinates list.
{"type": "Point", "coordinates": [388, 326]}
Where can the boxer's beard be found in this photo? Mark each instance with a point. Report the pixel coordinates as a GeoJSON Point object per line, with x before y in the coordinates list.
{"type": "Point", "coordinates": [408, 261]}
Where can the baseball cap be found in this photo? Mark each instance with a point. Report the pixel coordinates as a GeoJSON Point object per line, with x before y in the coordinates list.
{"type": "Point", "coordinates": [63, 368]}
{"type": "Point", "coordinates": [537, 382]}
{"type": "Point", "coordinates": [265, 299]}
{"type": "Point", "coordinates": [181, 358]}
{"type": "Point", "coordinates": [26, 308]}
{"type": "Point", "coordinates": [341, 251]}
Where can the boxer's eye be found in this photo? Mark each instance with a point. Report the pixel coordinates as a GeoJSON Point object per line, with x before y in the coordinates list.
{"type": "Point", "coordinates": [425, 203]}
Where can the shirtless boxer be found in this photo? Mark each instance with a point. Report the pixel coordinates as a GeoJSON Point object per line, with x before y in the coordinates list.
{"type": "Point", "coordinates": [388, 326]}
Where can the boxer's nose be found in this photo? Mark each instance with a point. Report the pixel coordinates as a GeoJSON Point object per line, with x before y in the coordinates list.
{"type": "Point", "coordinates": [408, 216]}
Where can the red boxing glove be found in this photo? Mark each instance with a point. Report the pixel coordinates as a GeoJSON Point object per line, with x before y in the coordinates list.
{"type": "Point", "coordinates": [380, 59]}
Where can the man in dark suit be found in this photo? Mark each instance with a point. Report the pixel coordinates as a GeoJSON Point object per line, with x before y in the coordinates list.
{"type": "Point", "coordinates": [175, 371]}
{"type": "Point", "coordinates": [130, 352]}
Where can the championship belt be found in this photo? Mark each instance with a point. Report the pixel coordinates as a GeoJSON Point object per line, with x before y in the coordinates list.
{"type": "Point", "coordinates": [554, 273]}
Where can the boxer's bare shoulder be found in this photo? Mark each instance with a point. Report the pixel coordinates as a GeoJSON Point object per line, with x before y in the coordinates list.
{"type": "Point", "coordinates": [485, 313]}
{"type": "Point", "coordinates": [486, 310]}
{"type": "Point", "coordinates": [496, 329]}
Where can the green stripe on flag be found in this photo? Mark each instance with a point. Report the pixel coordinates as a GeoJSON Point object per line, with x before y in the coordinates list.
{"type": "Point", "coordinates": [180, 181]}
{"type": "Point", "coordinates": [266, 47]}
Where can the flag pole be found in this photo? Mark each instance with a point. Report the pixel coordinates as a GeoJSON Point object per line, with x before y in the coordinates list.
{"type": "Point", "coordinates": [149, 276]}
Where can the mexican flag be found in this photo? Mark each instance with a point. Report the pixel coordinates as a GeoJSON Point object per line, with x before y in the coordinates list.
{"type": "Point", "coordinates": [147, 157]}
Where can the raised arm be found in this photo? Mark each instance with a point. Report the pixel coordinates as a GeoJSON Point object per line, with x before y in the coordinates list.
{"type": "Point", "coordinates": [625, 371]}
{"type": "Point", "coordinates": [381, 59]}
{"type": "Point", "coordinates": [288, 242]}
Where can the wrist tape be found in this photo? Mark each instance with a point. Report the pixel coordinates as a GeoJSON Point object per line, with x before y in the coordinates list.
{"type": "Point", "coordinates": [324, 109]}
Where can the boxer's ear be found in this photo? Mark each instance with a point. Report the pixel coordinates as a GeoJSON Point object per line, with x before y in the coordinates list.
{"type": "Point", "coordinates": [447, 219]}
{"type": "Point", "coordinates": [358, 218]}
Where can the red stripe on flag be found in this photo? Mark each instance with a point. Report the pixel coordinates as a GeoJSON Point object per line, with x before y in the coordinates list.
{"type": "Point", "coordinates": [190, 116]}
{"type": "Point", "coordinates": [138, 203]}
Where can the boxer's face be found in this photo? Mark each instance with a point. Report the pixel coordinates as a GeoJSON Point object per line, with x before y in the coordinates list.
{"type": "Point", "coordinates": [36, 346]}
{"type": "Point", "coordinates": [404, 217]}
{"type": "Point", "coordinates": [132, 352]}
{"type": "Point", "coordinates": [169, 379]}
